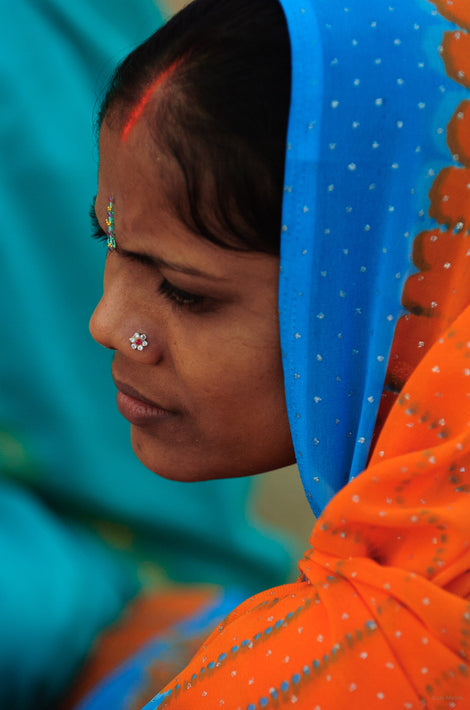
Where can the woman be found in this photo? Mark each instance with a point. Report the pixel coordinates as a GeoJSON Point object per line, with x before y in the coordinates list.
{"type": "Point", "coordinates": [190, 187]}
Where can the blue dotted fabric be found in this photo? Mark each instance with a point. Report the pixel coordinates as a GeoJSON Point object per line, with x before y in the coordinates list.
{"type": "Point", "coordinates": [370, 103]}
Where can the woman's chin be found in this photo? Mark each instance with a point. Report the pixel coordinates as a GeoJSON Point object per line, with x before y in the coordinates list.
{"type": "Point", "coordinates": [192, 463]}
{"type": "Point", "coordinates": [171, 461]}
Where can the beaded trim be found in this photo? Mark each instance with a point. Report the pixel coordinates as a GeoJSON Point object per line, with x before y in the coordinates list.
{"type": "Point", "coordinates": [110, 224]}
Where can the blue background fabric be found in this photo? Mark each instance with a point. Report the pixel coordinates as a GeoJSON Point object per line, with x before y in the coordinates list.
{"type": "Point", "coordinates": [121, 687]}
{"type": "Point", "coordinates": [370, 103]}
{"type": "Point", "coordinates": [82, 524]}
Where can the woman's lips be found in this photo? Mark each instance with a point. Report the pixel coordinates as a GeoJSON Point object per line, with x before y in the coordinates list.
{"type": "Point", "coordinates": [136, 408]}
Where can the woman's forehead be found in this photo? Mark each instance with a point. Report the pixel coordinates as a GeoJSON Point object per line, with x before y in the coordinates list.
{"type": "Point", "coordinates": [136, 168]}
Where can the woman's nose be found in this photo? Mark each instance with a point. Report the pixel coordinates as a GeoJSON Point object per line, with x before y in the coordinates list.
{"type": "Point", "coordinates": [125, 330]}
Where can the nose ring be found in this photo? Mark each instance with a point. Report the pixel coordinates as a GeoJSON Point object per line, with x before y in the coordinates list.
{"type": "Point", "coordinates": [138, 341]}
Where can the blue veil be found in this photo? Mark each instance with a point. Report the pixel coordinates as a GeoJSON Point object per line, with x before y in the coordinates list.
{"type": "Point", "coordinates": [370, 103]}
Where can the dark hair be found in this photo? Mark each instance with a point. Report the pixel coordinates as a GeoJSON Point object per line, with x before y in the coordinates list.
{"type": "Point", "coordinates": [221, 112]}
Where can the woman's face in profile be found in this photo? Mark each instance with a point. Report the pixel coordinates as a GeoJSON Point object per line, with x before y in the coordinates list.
{"type": "Point", "coordinates": [205, 397]}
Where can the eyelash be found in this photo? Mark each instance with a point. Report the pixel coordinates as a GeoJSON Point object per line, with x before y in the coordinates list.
{"type": "Point", "coordinates": [180, 298]}
{"type": "Point", "coordinates": [177, 296]}
{"type": "Point", "coordinates": [97, 232]}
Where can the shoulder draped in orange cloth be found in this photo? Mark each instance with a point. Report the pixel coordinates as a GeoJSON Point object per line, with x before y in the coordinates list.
{"type": "Point", "coordinates": [380, 617]}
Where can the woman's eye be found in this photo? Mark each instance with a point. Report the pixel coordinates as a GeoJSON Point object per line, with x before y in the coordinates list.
{"type": "Point", "coordinates": [179, 296]}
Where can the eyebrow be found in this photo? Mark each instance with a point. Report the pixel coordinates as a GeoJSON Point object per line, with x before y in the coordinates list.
{"type": "Point", "coordinates": [151, 259]}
